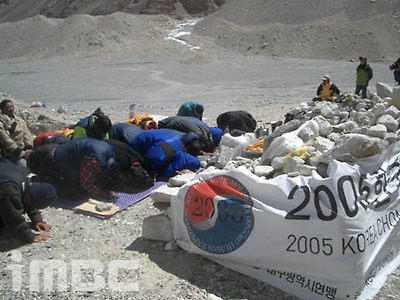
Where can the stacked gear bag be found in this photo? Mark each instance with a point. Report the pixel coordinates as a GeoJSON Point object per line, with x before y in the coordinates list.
{"type": "Point", "coordinates": [145, 121]}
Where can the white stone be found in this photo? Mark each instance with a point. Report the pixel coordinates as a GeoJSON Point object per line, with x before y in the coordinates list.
{"type": "Point", "coordinates": [277, 163]}
{"type": "Point", "coordinates": [163, 194]}
{"type": "Point", "coordinates": [396, 97]}
{"type": "Point", "coordinates": [325, 128]}
{"type": "Point", "coordinates": [306, 134]}
{"type": "Point", "coordinates": [314, 159]}
{"type": "Point", "coordinates": [157, 228]}
{"type": "Point", "coordinates": [322, 144]}
{"type": "Point", "coordinates": [292, 164]}
{"type": "Point", "coordinates": [306, 170]}
{"type": "Point", "coordinates": [378, 130]}
{"type": "Point", "coordinates": [390, 123]}
{"type": "Point", "coordinates": [181, 179]}
{"type": "Point", "coordinates": [379, 110]}
{"type": "Point", "coordinates": [281, 146]}
{"type": "Point", "coordinates": [264, 171]}
{"type": "Point", "coordinates": [393, 111]}
{"type": "Point", "coordinates": [383, 90]}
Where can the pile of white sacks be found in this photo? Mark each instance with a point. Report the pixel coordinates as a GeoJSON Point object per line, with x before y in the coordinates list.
{"type": "Point", "coordinates": [348, 130]}
{"type": "Point", "coordinates": [318, 133]}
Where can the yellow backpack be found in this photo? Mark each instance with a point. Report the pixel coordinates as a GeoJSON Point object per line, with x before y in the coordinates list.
{"type": "Point", "coordinates": [143, 120]}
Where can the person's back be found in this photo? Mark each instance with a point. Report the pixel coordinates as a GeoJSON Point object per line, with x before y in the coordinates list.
{"type": "Point", "coordinates": [237, 120]}
{"type": "Point", "coordinates": [191, 109]}
{"type": "Point", "coordinates": [96, 126]}
{"type": "Point", "coordinates": [124, 132]}
{"type": "Point", "coordinates": [18, 196]}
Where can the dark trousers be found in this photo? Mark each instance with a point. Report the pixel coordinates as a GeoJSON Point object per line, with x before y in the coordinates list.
{"type": "Point", "coordinates": [362, 89]}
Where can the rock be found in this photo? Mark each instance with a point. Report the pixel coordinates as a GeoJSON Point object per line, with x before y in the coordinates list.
{"type": "Point", "coordinates": [280, 147]}
{"type": "Point", "coordinates": [157, 228]}
{"type": "Point", "coordinates": [322, 144]}
{"type": "Point", "coordinates": [103, 206]}
{"type": "Point", "coordinates": [396, 97]}
{"type": "Point", "coordinates": [383, 90]}
{"type": "Point", "coordinates": [62, 110]}
{"type": "Point", "coordinates": [325, 128]}
{"type": "Point", "coordinates": [266, 171]}
{"type": "Point", "coordinates": [181, 179]}
{"type": "Point", "coordinates": [293, 164]}
{"type": "Point", "coordinates": [277, 163]}
{"type": "Point", "coordinates": [379, 110]}
{"type": "Point", "coordinates": [287, 127]}
{"type": "Point", "coordinates": [378, 130]}
{"type": "Point", "coordinates": [351, 147]}
{"type": "Point", "coordinates": [163, 194]}
{"type": "Point", "coordinates": [306, 170]}
{"type": "Point", "coordinates": [36, 104]}
{"type": "Point", "coordinates": [390, 123]}
{"type": "Point", "coordinates": [393, 111]}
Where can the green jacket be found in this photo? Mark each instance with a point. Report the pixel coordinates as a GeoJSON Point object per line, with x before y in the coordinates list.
{"type": "Point", "coordinates": [364, 74]}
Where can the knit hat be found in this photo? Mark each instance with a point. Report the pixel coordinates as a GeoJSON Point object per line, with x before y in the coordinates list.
{"type": "Point", "coordinates": [326, 77]}
{"type": "Point", "coordinates": [42, 194]}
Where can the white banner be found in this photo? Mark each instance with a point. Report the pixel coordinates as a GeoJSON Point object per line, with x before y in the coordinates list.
{"type": "Point", "coordinates": [314, 237]}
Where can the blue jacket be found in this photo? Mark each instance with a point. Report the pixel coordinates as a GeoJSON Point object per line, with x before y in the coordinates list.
{"type": "Point", "coordinates": [68, 156]}
{"type": "Point", "coordinates": [124, 132]}
{"type": "Point", "coordinates": [163, 153]}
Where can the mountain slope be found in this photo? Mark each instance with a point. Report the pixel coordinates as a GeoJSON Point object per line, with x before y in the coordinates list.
{"type": "Point", "coordinates": [340, 29]}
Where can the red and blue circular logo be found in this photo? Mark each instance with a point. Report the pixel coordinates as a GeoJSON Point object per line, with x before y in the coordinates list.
{"type": "Point", "coordinates": [218, 214]}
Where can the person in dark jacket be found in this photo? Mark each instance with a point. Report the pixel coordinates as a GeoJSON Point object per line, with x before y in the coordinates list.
{"type": "Point", "coordinates": [191, 109]}
{"type": "Point", "coordinates": [395, 67]}
{"type": "Point", "coordinates": [87, 163]}
{"type": "Point", "coordinates": [41, 163]}
{"type": "Point", "coordinates": [124, 132]}
{"type": "Point", "coordinates": [96, 126]}
{"type": "Point", "coordinates": [191, 124]}
{"type": "Point", "coordinates": [189, 140]}
{"type": "Point", "coordinates": [163, 154]}
{"type": "Point", "coordinates": [364, 75]}
{"type": "Point", "coordinates": [130, 164]}
{"type": "Point", "coordinates": [236, 120]}
{"type": "Point", "coordinates": [19, 195]}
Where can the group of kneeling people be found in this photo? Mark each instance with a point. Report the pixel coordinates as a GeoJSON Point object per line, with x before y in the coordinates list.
{"type": "Point", "coordinates": [95, 158]}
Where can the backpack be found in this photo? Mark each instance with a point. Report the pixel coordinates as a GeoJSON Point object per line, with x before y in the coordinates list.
{"type": "Point", "coordinates": [145, 121]}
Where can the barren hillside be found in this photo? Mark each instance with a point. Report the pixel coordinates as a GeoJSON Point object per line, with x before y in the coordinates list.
{"type": "Point", "coordinates": [321, 29]}
{"type": "Point", "coordinates": [338, 30]}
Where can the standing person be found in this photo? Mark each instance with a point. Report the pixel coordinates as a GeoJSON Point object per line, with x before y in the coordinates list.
{"type": "Point", "coordinates": [364, 75]}
{"type": "Point", "coordinates": [18, 195]}
{"type": "Point", "coordinates": [191, 109]}
{"type": "Point", "coordinates": [16, 141]}
{"type": "Point", "coordinates": [327, 90]}
{"type": "Point", "coordinates": [395, 67]}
